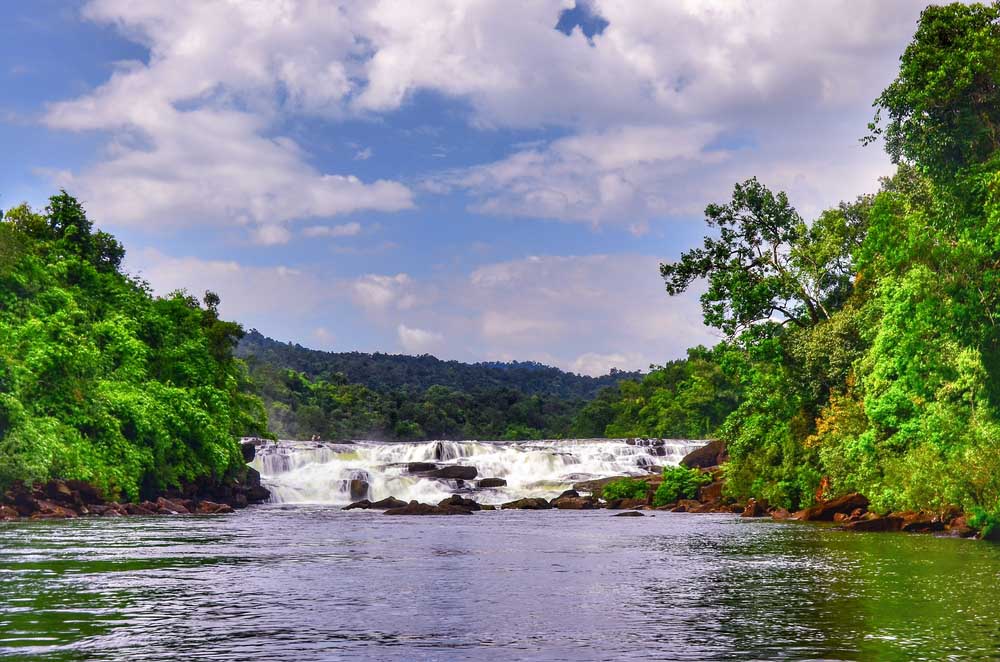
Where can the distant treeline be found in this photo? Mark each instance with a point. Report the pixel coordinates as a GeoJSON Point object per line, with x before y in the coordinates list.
{"type": "Point", "coordinates": [421, 397]}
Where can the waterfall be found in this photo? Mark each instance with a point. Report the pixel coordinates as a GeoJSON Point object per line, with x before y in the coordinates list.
{"type": "Point", "coordinates": [339, 473]}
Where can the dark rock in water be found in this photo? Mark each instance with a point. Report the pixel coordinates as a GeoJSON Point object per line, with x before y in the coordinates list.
{"type": "Point", "coordinates": [59, 492]}
{"type": "Point", "coordinates": [921, 522]}
{"type": "Point", "coordinates": [487, 506]}
{"type": "Point", "coordinates": [138, 509]}
{"type": "Point", "coordinates": [420, 467]}
{"type": "Point", "coordinates": [629, 513]}
{"type": "Point", "coordinates": [880, 524]}
{"type": "Point", "coordinates": [365, 504]}
{"type": "Point", "coordinates": [959, 527]}
{"type": "Point", "coordinates": [8, 513]}
{"type": "Point", "coordinates": [530, 503]}
{"type": "Point", "coordinates": [754, 509]}
{"type": "Point", "coordinates": [711, 492]}
{"type": "Point", "coordinates": [568, 493]}
{"type": "Point", "coordinates": [711, 454]}
{"type": "Point", "coordinates": [780, 514]}
{"type": "Point", "coordinates": [454, 472]}
{"type": "Point", "coordinates": [485, 483]}
{"type": "Point", "coordinates": [251, 491]}
{"type": "Point", "coordinates": [212, 508]}
{"type": "Point", "coordinates": [359, 489]}
{"type": "Point", "coordinates": [415, 508]}
{"type": "Point", "coordinates": [625, 504]}
{"type": "Point", "coordinates": [824, 512]}
{"type": "Point", "coordinates": [45, 509]}
{"type": "Point", "coordinates": [249, 451]}
{"type": "Point", "coordinates": [387, 503]}
{"type": "Point", "coordinates": [87, 492]}
{"type": "Point", "coordinates": [685, 506]}
{"type": "Point", "coordinates": [458, 501]}
{"type": "Point", "coordinates": [575, 503]}
{"type": "Point", "coordinates": [167, 507]}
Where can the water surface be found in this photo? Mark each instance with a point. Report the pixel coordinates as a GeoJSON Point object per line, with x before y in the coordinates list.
{"type": "Point", "coordinates": [315, 583]}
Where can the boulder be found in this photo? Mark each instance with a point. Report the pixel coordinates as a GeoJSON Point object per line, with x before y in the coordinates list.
{"type": "Point", "coordinates": [959, 527]}
{"type": "Point", "coordinates": [249, 450]}
{"type": "Point", "coordinates": [458, 501]}
{"type": "Point", "coordinates": [485, 483]}
{"type": "Point", "coordinates": [60, 492]}
{"type": "Point", "coordinates": [754, 509]}
{"type": "Point", "coordinates": [454, 472]}
{"type": "Point", "coordinates": [530, 503]}
{"type": "Point", "coordinates": [85, 492]}
{"type": "Point", "coordinates": [629, 513]}
{"type": "Point", "coordinates": [416, 508]}
{"type": "Point", "coordinates": [46, 509]}
{"type": "Point", "coordinates": [711, 454]}
{"type": "Point", "coordinates": [824, 512]}
{"type": "Point", "coordinates": [684, 505]}
{"type": "Point", "coordinates": [138, 509]}
{"type": "Point", "coordinates": [420, 467]}
{"type": "Point", "coordinates": [8, 514]}
{"type": "Point", "coordinates": [358, 488]}
{"type": "Point", "coordinates": [574, 503]}
{"type": "Point", "coordinates": [168, 507]}
{"type": "Point", "coordinates": [921, 522]}
{"type": "Point", "coordinates": [387, 503]}
{"type": "Point", "coordinates": [487, 506]}
{"type": "Point", "coordinates": [780, 514]}
{"type": "Point", "coordinates": [877, 524]}
{"type": "Point", "coordinates": [711, 492]}
{"type": "Point", "coordinates": [625, 504]}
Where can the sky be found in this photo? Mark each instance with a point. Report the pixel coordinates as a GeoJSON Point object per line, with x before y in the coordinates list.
{"type": "Point", "coordinates": [475, 179]}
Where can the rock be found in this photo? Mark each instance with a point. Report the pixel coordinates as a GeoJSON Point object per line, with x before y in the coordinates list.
{"type": "Point", "coordinates": [574, 503]}
{"type": "Point", "coordinates": [486, 506]}
{"type": "Point", "coordinates": [8, 514]}
{"type": "Point", "coordinates": [45, 509]}
{"type": "Point", "coordinates": [711, 454]}
{"type": "Point", "coordinates": [365, 504]}
{"type": "Point", "coordinates": [420, 467]}
{"type": "Point", "coordinates": [59, 492]}
{"type": "Point", "coordinates": [88, 493]}
{"type": "Point", "coordinates": [879, 524]}
{"type": "Point", "coordinates": [249, 450]}
{"type": "Point", "coordinates": [212, 508]}
{"type": "Point", "coordinates": [485, 483]}
{"type": "Point", "coordinates": [625, 504]}
{"type": "Point", "coordinates": [415, 508]}
{"type": "Point", "coordinates": [921, 522]}
{"type": "Point", "coordinates": [573, 494]}
{"type": "Point", "coordinates": [138, 509]}
{"type": "Point", "coordinates": [754, 509]}
{"type": "Point", "coordinates": [387, 503]}
{"type": "Point", "coordinates": [824, 512]}
{"type": "Point", "coordinates": [711, 492]}
{"type": "Point", "coordinates": [530, 503]}
{"type": "Point", "coordinates": [684, 506]}
{"type": "Point", "coordinates": [629, 513]}
{"type": "Point", "coordinates": [458, 501]}
{"type": "Point", "coordinates": [168, 507]}
{"type": "Point", "coordinates": [358, 488]}
{"type": "Point", "coordinates": [253, 491]}
{"type": "Point", "coordinates": [454, 472]}
{"type": "Point", "coordinates": [959, 527]}
{"type": "Point", "coordinates": [780, 514]}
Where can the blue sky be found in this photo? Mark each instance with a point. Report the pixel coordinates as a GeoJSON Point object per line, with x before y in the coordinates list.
{"type": "Point", "coordinates": [474, 179]}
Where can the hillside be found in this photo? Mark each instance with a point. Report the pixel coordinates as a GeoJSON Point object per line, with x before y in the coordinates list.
{"type": "Point", "coordinates": [394, 372]}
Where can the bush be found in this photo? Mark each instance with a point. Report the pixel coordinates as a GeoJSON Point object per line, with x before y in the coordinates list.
{"type": "Point", "coordinates": [625, 488]}
{"type": "Point", "coordinates": [679, 483]}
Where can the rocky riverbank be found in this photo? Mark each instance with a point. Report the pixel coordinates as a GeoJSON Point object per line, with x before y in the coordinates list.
{"type": "Point", "coordinates": [58, 499]}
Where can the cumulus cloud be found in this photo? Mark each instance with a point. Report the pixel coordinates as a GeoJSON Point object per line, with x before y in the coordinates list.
{"type": "Point", "coordinates": [418, 341]}
{"type": "Point", "coordinates": [375, 292]}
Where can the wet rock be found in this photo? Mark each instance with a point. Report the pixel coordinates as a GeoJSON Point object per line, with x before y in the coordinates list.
{"type": "Point", "coordinates": [780, 514]}
{"type": "Point", "coordinates": [684, 505]}
{"type": "Point", "coordinates": [416, 508]}
{"type": "Point", "coordinates": [59, 492]}
{"type": "Point", "coordinates": [959, 527]}
{"type": "Point", "coordinates": [629, 513]}
{"type": "Point", "coordinates": [358, 489]}
{"type": "Point", "coordinates": [138, 509]}
{"type": "Point", "coordinates": [252, 491]}
{"type": "Point", "coordinates": [487, 506]}
{"type": "Point", "coordinates": [212, 508]}
{"type": "Point", "coordinates": [458, 501]}
{"type": "Point", "coordinates": [921, 522]}
{"type": "Point", "coordinates": [754, 509]}
{"type": "Point", "coordinates": [455, 472]}
{"type": "Point", "coordinates": [530, 503]}
{"type": "Point", "coordinates": [711, 454]}
{"type": "Point", "coordinates": [420, 467]}
{"type": "Point", "coordinates": [168, 507]}
{"type": "Point", "coordinates": [46, 509]}
{"type": "Point", "coordinates": [485, 483]}
{"type": "Point", "coordinates": [249, 450]}
{"type": "Point", "coordinates": [8, 513]}
{"type": "Point", "coordinates": [877, 524]}
{"type": "Point", "coordinates": [625, 504]}
{"type": "Point", "coordinates": [574, 503]}
{"type": "Point", "coordinates": [824, 512]}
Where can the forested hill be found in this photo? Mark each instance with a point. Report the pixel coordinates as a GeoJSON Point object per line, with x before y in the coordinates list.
{"type": "Point", "coordinates": [394, 372]}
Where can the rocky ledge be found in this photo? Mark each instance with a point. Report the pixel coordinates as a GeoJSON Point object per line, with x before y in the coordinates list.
{"type": "Point", "coordinates": [58, 499]}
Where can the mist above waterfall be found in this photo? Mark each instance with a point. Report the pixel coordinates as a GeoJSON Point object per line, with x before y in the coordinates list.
{"type": "Point", "coordinates": [339, 473]}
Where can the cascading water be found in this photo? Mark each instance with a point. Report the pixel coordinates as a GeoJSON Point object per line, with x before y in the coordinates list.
{"type": "Point", "coordinates": [339, 473]}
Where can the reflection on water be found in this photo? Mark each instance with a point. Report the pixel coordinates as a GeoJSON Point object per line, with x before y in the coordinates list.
{"type": "Point", "coordinates": [308, 583]}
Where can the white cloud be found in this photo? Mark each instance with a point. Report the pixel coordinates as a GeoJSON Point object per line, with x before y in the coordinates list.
{"type": "Point", "coordinates": [351, 229]}
{"type": "Point", "coordinates": [363, 154]}
{"type": "Point", "coordinates": [601, 364]}
{"type": "Point", "coordinates": [418, 341]}
{"type": "Point", "coordinates": [375, 292]}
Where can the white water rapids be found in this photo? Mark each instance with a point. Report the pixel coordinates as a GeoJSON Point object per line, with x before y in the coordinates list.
{"type": "Point", "coordinates": [323, 472]}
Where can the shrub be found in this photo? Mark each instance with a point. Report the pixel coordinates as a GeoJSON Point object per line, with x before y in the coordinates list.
{"type": "Point", "coordinates": [625, 488]}
{"type": "Point", "coordinates": [679, 483]}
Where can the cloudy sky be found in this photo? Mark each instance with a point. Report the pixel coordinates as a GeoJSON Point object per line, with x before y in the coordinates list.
{"type": "Point", "coordinates": [475, 179]}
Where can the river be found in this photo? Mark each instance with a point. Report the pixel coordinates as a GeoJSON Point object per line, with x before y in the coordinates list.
{"type": "Point", "coordinates": [298, 581]}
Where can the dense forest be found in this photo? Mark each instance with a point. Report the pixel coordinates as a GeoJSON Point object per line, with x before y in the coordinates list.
{"type": "Point", "coordinates": [409, 398]}
{"type": "Point", "coordinates": [865, 343]}
{"type": "Point", "coordinates": [103, 382]}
